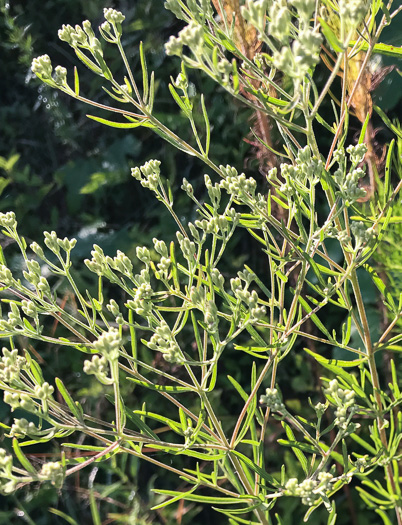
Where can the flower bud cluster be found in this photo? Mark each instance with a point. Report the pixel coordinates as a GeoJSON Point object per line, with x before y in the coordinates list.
{"type": "Point", "coordinates": [273, 400]}
{"type": "Point", "coordinates": [98, 366]}
{"type": "Point", "coordinates": [255, 13]}
{"type": "Point", "coordinates": [304, 8]}
{"type": "Point", "coordinates": [239, 186]}
{"type": "Point", "coordinates": [304, 54]}
{"type": "Point", "coordinates": [98, 263]}
{"type": "Point", "coordinates": [216, 224]}
{"type": "Point", "coordinates": [348, 183]}
{"type": "Point", "coordinates": [14, 321]}
{"type": "Point", "coordinates": [309, 490]}
{"type": "Point", "coordinates": [108, 344]}
{"type": "Point", "coordinates": [34, 277]}
{"type": "Point", "coordinates": [214, 191]}
{"type": "Point", "coordinates": [141, 302]}
{"type": "Point", "coordinates": [44, 391]}
{"type": "Point", "coordinates": [6, 277]}
{"type": "Point", "coordinates": [54, 243]}
{"type": "Point", "coordinates": [7, 481]}
{"type": "Point", "coordinates": [279, 26]}
{"type": "Point", "coordinates": [362, 234]}
{"type": "Point", "coordinates": [345, 402]}
{"type": "Point", "coordinates": [217, 278]}
{"type": "Point", "coordinates": [7, 220]}
{"type": "Point", "coordinates": [22, 427]}
{"type": "Point", "coordinates": [53, 471]}
{"type": "Point", "coordinates": [16, 400]}
{"type": "Point", "coordinates": [121, 263]}
{"type": "Point", "coordinates": [191, 36]}
{"type": "Point", "coordinates": [164, 262]}
{"type": "Point", "coordinates": [11, 365]}
{"type": "Point", "coordinates": [352, 12]}
{"type": "Point", "coordinates": [174, 7]}
{"type": "Point", "coordinates": [83, 37]}
{"type": "Point", "coordinates": [187, 247]}
{"type": "Point", "coordinates": [148, 174]}
{"type": "Point", "coordinates": [164, 342]}
{"type": "Point", "coordinates": [250, 299]}
{"type": "Point", "coordinates": [114, 309]}
{"type": "Point", "coordinates": [211, 318]}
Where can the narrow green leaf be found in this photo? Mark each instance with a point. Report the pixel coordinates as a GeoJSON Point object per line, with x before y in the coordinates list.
{"type": "Point", "coordinates": [297, 452]}
{"type": "Point", "coordinates": [76, 82]}
{"type": "Point", "coordinates": [182, 495]}
{"type": "Point", "coordinates": [63, 515]}
{"type": "Point", "coordinates": [381, 287]}
{"type": "Point", "coordinates": [203, 499]}
{"type": "Point", "coordinates": [315, 318]}
{"type": "Point", "coordinates": [335, 362]}
{"type": "Point", "coordinates": [96, 519]}
{"type": "Point", "coordinates": [179, 101]}
{"type": "Point", "coordinates": [145, 85]}
{"type": "Point", "coordinates": [207, 126]}
{"type": "Point", "coordinates": [120, 125]}
{"type": "Point", "coordinates": [68, 399]}
{"type": "Point", "coordinates": [88, 62]}
{"type": "Point", "coordinates": [22, 458]}
{"type": "Point", "coordinates": [330, 36]}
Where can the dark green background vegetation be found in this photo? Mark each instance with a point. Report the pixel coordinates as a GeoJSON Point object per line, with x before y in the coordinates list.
{"type": "Point", "coordinates": [61, 171]}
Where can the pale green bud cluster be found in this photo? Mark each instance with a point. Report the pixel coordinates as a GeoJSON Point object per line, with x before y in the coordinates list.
{"type": "Point", "coordinates": [304, 8]}
{"type": "Point", "coordinates": [304, 54]}
{"type": "Point", "coordinates": [14, 321]}
{"type": "Point", "coordinates": [141, 302]}
{"type": "Point", "coordinates": [29, 308]}
{"type": "Point", "coordinates": [239, 186]}
{"type": "Point", "coordinates": [279, 26]}
{"type": "Point", "coordinates": [6, 277]}
{"type": "Point", "coordinates": [164, 262]}
{"type": "Point", "coordinates": [148, 174]}
{"type": "Point", "coordinates": [108, 344]}
{"type": "Point", "coordinates": [309, 490]}
{"type": "Point", "coordinates": [121, 263]}
{"type": "Point", "coordinates": [344, 400]}
{"type": "Point", "coordinates": [113, 16]}
{"type": "Point", "coordinates": [174, 7]}
{"type": "Point", "coordinates": [348, 183]}
{"type": "Point", "coordinates": [7, 481]}
{"type": "Point", "coordinates": [362, 463]}
{"type": "Point", "coordinates": [216, 224]}
{"type": "Point", "coordinates": [98, 262]}
{"type": "Point", "coordinates": [164, 342]}
{"type": "Point", "coordinates": [362, 234]}
{"type": "Point", "coordinates": [16, 400]}
{"type": "Point", "coordinates": [353, 11]}
{"type": "Point", "coordinates": [187, 247]}
{"type": "Point", "coordinates": [44, 392]}
{"type": "Point", "coordinates": [191, 36]}
{"type": "Point", "coordinates": [114, 309]}
{"type": "Point", "coordinates": [98, 366]}
{"type": "Point", "coordinates": [7, 220]}
{"type": "Point", "coordinates": [143, 254]}
{"type": "Point", "coordinates": [22, 427]}
{"type": "Point", "coordinates": [255, 13]}
{"type": "Point", "coordinates": [34, 277]}
{"type": "Point", "coordinates": [53, 471]}
{"type": "Point", "coordinates": [211, 317]}
{"type": "Point", "coordinates": [54, 243]}
{"type": "Point", "coordinates": [11, 365]}
{"type": "Point", "coordinates": [273, 400]}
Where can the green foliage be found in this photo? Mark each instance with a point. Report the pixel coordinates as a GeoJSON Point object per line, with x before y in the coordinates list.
{"type": "Point", "coordinates": [151, 334]}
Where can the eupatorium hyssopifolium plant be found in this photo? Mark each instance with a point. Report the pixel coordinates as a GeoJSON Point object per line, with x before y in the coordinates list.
{"type": "Point", "coordinates": [181, 306]}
